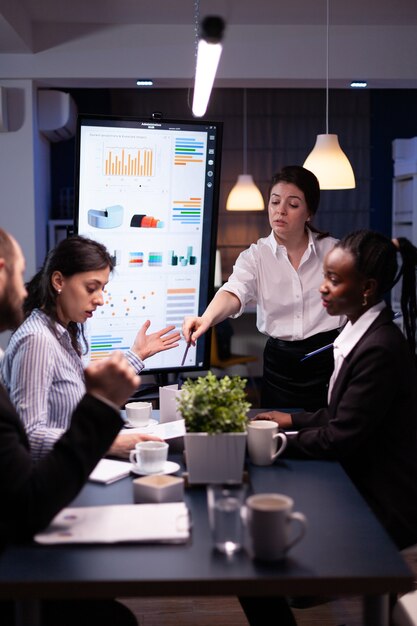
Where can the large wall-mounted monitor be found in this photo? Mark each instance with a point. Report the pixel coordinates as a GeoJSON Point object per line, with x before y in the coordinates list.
{"type": "Point", "coordinates": [149, 190]}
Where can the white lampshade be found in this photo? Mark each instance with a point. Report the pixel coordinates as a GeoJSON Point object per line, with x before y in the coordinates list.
{"type": "Point", "coordinates": [245, 195]}
{"type": "Point", "coordinates": [330, 164]}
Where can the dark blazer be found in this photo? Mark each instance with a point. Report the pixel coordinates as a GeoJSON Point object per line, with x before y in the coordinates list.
{"type": "Point", "coordinates": [370, 427]}
{"type": "Point", "coordinates": [32, 494]}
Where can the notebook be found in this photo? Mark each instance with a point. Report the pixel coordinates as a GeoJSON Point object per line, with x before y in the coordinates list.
{"type": "Point", "coordinates": [167, 522]}
{"type": "Point", "coordinates": [108, 471]}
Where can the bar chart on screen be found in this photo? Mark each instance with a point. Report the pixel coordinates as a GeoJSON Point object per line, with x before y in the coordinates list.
{"type": "Point", "coordinates": [129, 162]}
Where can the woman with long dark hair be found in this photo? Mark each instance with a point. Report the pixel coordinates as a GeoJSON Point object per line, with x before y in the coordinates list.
{"type": "Point", "coordinates": [282, 274]}
{"type": "Point", "coordinates": [42, 367]}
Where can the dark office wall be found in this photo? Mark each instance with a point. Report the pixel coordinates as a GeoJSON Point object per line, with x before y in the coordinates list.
{"type": "Point", "coordinates": [393, 116]}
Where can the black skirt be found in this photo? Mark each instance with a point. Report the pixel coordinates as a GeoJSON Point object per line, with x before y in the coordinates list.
{"type": "Point", "coordinates": [289, 382]}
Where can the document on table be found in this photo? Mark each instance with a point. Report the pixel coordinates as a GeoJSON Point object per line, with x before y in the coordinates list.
{"type": "Point", "coordinates": [107, 471]}
{"type": "Point", "coordinates": [167, 522]}
{"type": "Point", "coordinates": [167, 430]}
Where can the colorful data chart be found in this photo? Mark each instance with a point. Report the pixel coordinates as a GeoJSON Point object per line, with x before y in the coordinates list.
{"type": "Point", "coordinates": [129, 162]}
{"type": "Point", "coordinates": [135, 259]}
{"type": "Point", "coordinates": [187, 211]}
{"type": "Point", "coordinates": [103, 345]}
{"type": "Point", "coordinates": [180, 302]}
{"type": "Point", "coordinates": [184, 260]}
{"type": "Point", "coordinates": [188, 151]}
{"type": "Point", "coordinates": [123, 304]}
{"type": "Point", "coordinates": [146, 221]}
{"type": "Point", "coordinates": [155, 259]}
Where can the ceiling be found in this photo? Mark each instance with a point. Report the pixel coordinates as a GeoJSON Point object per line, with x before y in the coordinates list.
{"type": "Point", "coordinates": [90, 12]}
{"type": "Point", "coordinates": [34, 33]}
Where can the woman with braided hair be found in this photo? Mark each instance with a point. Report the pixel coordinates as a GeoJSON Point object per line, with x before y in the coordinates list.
{"type": "Point", "coordinates": [370, 425]}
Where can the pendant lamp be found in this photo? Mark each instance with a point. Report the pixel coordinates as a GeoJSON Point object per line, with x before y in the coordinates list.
{"type": "Point", "coordinates": [209, 50]}
{"type": "Point", "coordinates": [245, 195]}
{"type": "Point", "coordinates": [327, 159]}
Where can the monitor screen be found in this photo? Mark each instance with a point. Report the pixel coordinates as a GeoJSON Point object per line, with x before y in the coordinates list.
{"type": "Point", "coordinates": [149, 190]}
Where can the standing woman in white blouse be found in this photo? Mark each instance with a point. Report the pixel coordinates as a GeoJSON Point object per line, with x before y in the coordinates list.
{"type": "Point", "coordinates": [42, 367]}
{"type": "Point", "coordinates": [282, 274]}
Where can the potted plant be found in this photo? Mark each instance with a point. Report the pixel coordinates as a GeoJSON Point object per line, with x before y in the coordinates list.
{"type": "Point", "coordinates": [214, 411]}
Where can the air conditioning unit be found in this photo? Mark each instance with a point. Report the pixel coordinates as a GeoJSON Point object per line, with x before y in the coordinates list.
{"type": "Point", "coordinates": [4, 123]}
{"type": "Point", "coordinates": [57, 114]}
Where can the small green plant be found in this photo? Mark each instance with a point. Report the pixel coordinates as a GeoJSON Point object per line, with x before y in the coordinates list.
{"type": "Point", "coordinates": [213, 405]}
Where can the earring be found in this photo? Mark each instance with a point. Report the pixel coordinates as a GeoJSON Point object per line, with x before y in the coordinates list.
{"type": "Point", "coordinates": [365, 300]}
{"type": "Point", "coordinates": [58, 291]}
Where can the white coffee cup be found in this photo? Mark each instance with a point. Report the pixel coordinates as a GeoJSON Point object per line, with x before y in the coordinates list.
{"type": "Point", "coordinates": [263, 437]}
{"type": "Point", "coordinates": [138, 413]}
{"type": "Point", "coordinates": [149, 457]}
{"type": "Point", "coordinates": [269, 518]}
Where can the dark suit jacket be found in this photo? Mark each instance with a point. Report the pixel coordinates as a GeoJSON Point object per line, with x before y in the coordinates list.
{"type": "Point", "coordinates": [370, 426]}
{"type": "Point", "coordinates": [31, 494]}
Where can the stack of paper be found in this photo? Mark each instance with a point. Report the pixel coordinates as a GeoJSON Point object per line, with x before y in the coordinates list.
{"type": "Point", "coordinates": [108, 471]}
{"type": "Point", "coordinates": [167, 523]}
{"type": "Point", "coordinates": [167, 430]}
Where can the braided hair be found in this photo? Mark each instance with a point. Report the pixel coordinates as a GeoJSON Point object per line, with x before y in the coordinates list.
{"type": "Point", "coordinates": [376, 257]}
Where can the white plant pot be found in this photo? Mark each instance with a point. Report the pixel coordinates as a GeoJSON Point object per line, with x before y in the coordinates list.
{"type": "Point", "coordinates": [215, 458]}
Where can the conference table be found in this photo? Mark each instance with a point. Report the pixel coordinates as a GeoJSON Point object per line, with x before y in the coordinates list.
{"type": "Point", "coordinates": [344, 552]}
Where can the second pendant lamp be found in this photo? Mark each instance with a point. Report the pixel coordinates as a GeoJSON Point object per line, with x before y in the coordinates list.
{"type": "Point", "coordinates": [327, 159]}
{"type": "Point", "coordinates": [245, 195]}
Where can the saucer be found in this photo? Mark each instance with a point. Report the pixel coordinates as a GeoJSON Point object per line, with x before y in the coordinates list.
{"type": "Point", "coordinates": [169, 468]}
{"type": "Point", "coordinates": [151, 424]}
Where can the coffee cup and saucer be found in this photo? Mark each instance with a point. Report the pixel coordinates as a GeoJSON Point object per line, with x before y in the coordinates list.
{"type": "Point", "coordinates": [138, 415]}
{"type": "Point", "coordinates": [150, 458]}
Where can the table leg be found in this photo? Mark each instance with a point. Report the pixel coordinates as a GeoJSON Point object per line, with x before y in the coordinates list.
{"type": "Point", "coordinates": [376, 610]}
{"type": "Point", "coordinates": [28, 613]}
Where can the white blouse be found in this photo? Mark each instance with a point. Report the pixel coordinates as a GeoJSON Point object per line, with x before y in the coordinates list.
{"type": "Point", "coordinates": [288, 302]}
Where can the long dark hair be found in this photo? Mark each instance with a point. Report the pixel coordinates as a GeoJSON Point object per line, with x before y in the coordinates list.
{"type": "Point", "coordinates": [309, 185]}
{"type": "Point", "coordinates": [376, 257]}
{"type": "Point", "coordinates": [71, 256]}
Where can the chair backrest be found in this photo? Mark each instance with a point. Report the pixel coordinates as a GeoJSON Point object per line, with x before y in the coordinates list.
{"type": "Point", "coordinates": [214, 351]}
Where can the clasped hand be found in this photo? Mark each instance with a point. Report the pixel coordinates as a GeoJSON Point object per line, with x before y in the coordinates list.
{"type": "Point", "coordinates": [283, 419]}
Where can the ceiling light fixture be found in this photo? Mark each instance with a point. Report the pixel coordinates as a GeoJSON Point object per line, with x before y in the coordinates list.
{"type": "Point", "coordinates": [144, 82]}
{"type": "Point", "coordinates": [245, 195]}
{"type": "Point", "coordinates": [209, 50]}
{"type": "Point", "coordinates": [359, 84]}
{"type": "Point", "coordinates": [327, 159]}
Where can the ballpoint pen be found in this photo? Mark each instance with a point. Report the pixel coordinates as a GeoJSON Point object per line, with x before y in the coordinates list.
{"type": "Point", "coordinates": [185, 353]}
{"type": "Point", "coordinates": [309, 354]}
{"type": "Point", "coordinates": [330, 345]}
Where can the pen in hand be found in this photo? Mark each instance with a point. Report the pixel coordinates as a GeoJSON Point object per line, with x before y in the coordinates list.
{"type": "Point", "coordinates": [185, 353]}
{"type": "Point", "coordinates": [189, 342]}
